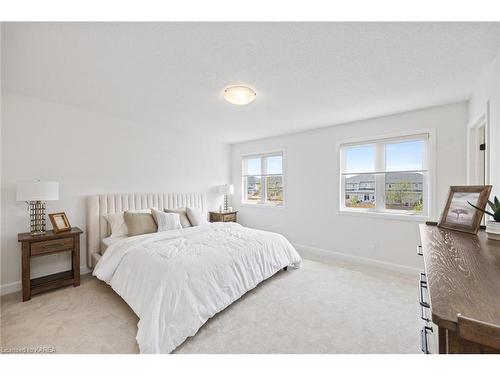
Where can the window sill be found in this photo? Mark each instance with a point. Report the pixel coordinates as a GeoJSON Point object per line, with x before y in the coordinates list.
{"type": "Point", "coordinates": [384, 215]}
{"type": "Point", "coordinates": [263, 205]}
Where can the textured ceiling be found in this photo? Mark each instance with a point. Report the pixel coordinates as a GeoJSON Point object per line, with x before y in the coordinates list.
{"type": "Point", "coordinates": [306, 75]}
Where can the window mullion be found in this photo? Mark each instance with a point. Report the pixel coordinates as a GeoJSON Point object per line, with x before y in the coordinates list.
{"type": "Point", "coordinates": [425, 193]}
{"type": "Point", "coordinates": [380, 177]}
{"type": "Point", "coordinates": [263, 169]}
{"type": "Point", "coordinates": [244, 180]}
{"type": "Point", "coordinates": [425, 180]}
{"type": "Point", "coordinates": [342, 191]}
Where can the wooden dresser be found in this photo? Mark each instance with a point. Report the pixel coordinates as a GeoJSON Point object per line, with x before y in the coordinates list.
{"type": "Point", "coordinates": [460, 291]}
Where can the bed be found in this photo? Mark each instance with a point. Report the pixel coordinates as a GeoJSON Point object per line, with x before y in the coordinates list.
{"type": "Point", "coordinates": [176, 280]}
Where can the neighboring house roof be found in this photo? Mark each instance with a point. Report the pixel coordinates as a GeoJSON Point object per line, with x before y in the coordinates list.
{"type": "Point", "coordinates": [390, 178]}
{"type": "Point", "coordinates": [359, 178]}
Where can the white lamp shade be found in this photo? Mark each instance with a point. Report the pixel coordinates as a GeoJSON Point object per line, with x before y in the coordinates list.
{"type": "Point", "coordinates": [37, 191]}
{"type": "Point", "coordinates": [226, 189]}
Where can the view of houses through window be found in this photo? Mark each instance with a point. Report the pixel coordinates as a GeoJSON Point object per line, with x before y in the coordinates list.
{"type": "Point", "coordinates": [263, 179]}
{"type": "Point", "coordinates": [388, 175]}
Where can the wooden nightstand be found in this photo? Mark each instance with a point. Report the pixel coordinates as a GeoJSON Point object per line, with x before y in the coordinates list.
{"type": "Point", "coordinates": [44, 244]}
{"type": "Point", "coordinates": [223, 216]}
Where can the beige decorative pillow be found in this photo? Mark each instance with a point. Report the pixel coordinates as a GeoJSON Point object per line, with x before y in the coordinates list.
{"type": "Point", "coordinates": [117, 223]}
{"type": "Point", "coordinates": [139, 223]}
{"type": "Point", "coordinates": [182, 216]}
{"type": "Point", "coordinates": [196, 216]}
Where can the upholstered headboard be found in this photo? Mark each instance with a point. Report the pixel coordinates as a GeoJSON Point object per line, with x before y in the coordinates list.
{"type": "Point", "coordinates": [99, 205]}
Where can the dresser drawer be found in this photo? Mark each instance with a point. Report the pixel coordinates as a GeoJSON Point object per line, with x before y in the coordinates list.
{"type": "Point", "coordinates": [44, 247]}
{"type": "Point", "coordinates": [229, 217]}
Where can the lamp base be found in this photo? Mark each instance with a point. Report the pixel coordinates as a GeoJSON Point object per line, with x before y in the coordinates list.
{"type": "Point", "coordinates": [226, 202]}
{"type": "Point", "coordinates": [37, 217]}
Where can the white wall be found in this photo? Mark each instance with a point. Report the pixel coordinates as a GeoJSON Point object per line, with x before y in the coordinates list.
{"type": "Point", "coordinates": [310, 217]}
{"type": "Point", "coordinates": [487, 90]}
{"type": "Point", "coordinates": [89, 153]}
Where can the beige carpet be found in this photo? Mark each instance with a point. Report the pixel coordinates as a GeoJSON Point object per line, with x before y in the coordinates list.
{"type": "Point", "coordinates": [321, 308]}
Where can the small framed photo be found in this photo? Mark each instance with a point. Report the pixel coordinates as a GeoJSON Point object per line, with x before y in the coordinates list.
{"type": "Point", "coordinates": [60, 222]}
{"type": "Point", "coordinates": [458, 214]}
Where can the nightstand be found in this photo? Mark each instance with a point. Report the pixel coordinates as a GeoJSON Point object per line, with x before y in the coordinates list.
{"type": "Point", "coordinates": [223, 216]}
{"type": "Point", "coordinates": [44, 244]}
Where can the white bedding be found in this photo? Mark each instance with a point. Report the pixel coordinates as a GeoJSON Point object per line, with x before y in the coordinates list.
{"type": "Point", "coordinates": [108, 241]}
{"type": "Point", "coordinates": [176, 280]}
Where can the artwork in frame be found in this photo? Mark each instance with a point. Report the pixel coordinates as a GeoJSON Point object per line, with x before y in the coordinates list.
{"type": "Point", "coordinates": [60, 222]}
{"type": "Point", "coordinates": [458, 214]}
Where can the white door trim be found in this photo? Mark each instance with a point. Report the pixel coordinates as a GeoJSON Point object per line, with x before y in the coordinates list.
{"type": "Point", "coordinates": [473, 142]}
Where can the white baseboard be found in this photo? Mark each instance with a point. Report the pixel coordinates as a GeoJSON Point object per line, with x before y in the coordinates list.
{"type": "Point", "coordinates": [16, 286]}
{"type": "Point", "coordinates": [84, 270]}
{"type": "Point", "coordinates": [315, 253]}
{"type": "Point", "coordinates": [10, 288]}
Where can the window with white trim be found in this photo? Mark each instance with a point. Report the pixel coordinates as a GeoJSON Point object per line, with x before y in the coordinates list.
{"type": "Point", "coordinates": [388, 175]}
{"type": "Point", "coordinates": [262, 179]}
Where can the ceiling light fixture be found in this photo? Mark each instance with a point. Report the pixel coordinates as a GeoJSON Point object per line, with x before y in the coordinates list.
{"type": "Point", "coordinates": [239, 94]}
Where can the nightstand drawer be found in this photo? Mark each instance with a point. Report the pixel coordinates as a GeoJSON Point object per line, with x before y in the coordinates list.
{"type": "Point", "coordinates": [229, 217]}
{"type": "Point", "coordinates": [223, 216]}
{"type": "Point", "coordinates": [44, 247]}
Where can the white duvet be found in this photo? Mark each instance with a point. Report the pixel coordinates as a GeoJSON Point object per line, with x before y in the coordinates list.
{"type": "Point", "coordinates": [176, 280]}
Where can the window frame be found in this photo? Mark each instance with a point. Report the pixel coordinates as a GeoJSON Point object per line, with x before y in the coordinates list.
{"type": "Point", "coordinates": [428, 188]}
{"type": "Point", "coordinates": [263, 155]}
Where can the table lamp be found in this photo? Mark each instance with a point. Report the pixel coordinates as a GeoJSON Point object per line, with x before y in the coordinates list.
{"type": "Point", "coordinates": [227, 190]}
{"type": "Point", "coordinates": [35, 193]}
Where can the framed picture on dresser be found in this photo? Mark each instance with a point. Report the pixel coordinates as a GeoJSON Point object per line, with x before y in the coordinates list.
{"type": "Point", "coordinates": [459, 214]}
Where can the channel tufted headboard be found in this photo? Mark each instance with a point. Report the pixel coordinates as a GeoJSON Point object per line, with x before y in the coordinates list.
{"type": "Point", "coordinates": [99, 205]}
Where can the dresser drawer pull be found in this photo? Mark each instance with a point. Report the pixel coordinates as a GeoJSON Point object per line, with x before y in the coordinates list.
{"type": "Point", "coordinates": [422, 286]}
{"type": "Point", "coordinates": [423, 316]}
{"type": "Point", "coordinates": [419, 250]}
{"type": "Point", "coordinates": [424, 339]}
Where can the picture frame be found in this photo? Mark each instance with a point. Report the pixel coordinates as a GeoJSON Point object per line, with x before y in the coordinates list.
{"type": "Point", "coordinates": [60, 222]}
{"type": "Point", "coordinates": [458, 214]}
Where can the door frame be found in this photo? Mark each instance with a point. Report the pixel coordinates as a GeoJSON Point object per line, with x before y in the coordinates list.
{"type": "Point", "coordinates": [474, 128]}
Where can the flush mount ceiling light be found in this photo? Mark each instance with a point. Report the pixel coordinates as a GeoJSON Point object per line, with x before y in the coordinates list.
{"type": "Point", "coordinates": [239, 94]}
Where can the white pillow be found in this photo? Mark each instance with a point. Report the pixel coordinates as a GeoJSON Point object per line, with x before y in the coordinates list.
{"type": "Point", "coordinates": [166, 220]}
{"type": "Point", "coordinates": [196, 216]}
{"type": "Point", "coordinates": [117, 223]}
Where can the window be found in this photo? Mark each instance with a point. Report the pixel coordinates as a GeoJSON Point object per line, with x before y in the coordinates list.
{"type": "Point", "coordinates": [386, 176]}
{"type": "Point", "coordinates": [263, 179]}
